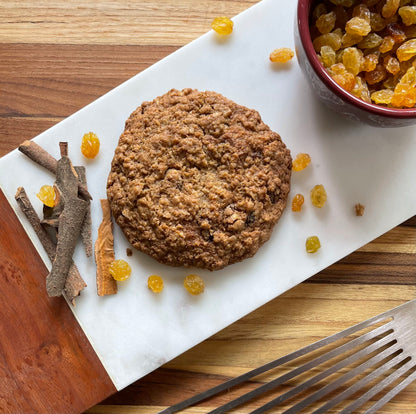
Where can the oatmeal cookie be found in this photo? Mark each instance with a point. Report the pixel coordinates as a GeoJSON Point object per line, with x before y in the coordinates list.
{"type": "Point", "coordinates": [198, 180]}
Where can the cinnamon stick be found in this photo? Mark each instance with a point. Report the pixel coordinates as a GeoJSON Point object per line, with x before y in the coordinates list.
{"type": "Point", "coordinates": [104, 253]}
{"type": "Point", "coordinates": [74, 283]}
{"type": "Point", "coordinates": [86, 233]}
{"type": "Point", "coordinates": [37, 154]}
{"type": "Point", "coordinates": [40, 156]}
{"type": "Point", "coordinates": [70, 223]}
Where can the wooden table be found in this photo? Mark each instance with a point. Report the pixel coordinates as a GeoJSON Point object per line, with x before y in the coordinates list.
{"type": "Point", "coordinates": [56, 57]}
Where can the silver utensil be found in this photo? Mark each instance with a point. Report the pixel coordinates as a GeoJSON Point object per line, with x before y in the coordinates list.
{"type": "Point", "coordinates": [363, 366]}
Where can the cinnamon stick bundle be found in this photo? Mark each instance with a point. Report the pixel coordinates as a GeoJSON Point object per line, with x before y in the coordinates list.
{"type": "Point", "coordinates": [70, 224]}
{"type": "Point", "coordinates": [41, 157]}
{"type": "Point", "coordinates": [74, 283]}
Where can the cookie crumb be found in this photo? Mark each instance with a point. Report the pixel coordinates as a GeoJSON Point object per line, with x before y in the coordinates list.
{"type": "Point", "coordinates": [129, 252]}
{"type": "Point", "coordinates": [359, 209]}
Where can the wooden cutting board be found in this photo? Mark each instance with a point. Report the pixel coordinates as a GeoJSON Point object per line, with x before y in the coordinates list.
{"type": "Point", "coordinates": [47, 365]}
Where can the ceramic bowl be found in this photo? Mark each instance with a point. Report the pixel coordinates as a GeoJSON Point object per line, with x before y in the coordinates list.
{"type": "Point", "coordinates": [333, 95]}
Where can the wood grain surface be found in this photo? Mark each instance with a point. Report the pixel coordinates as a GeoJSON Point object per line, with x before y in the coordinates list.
{"type": "Point", "coordinates": [47, 364]}
{"type": "Point", "coordinates": [56, 57]}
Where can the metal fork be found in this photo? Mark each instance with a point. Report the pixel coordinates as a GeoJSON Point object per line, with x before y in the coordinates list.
{"type": "Point", "coordinates": [375, 358]}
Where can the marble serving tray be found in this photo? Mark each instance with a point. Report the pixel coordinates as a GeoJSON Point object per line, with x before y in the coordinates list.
{"type": "Point", "coordinates": [136, 331]}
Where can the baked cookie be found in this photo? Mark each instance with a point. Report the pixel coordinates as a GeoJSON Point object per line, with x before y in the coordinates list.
{"type": "Point", "coordinates": [197, 180]}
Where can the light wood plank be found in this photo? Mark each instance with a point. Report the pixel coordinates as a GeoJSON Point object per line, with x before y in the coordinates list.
{"type": "Point", "coordinates": [143, 22]}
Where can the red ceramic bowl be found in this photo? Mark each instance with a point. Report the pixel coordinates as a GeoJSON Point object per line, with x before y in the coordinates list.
{"type": "Point", "coordinates": [333, 95]}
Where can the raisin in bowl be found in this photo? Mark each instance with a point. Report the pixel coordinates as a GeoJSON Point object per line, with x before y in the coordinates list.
{"type": "Point", "coordinates": [330, 63]}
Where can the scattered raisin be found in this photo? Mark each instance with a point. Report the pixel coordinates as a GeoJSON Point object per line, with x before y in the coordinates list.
{"type": "Point", "coordinates": [222, 25]}
{"type": "Point", "coordinates": [120, 270]}
{"type": "Point", "coordinates": [318, 196]}
{"type": "Point", "coordinates": [155, 283]}
{"type": "Point", "coordinates": [281, 55]}
{"type": "Point", "coordinates": [194, 284]}
{"type": "Point", "coordinates": [312, 244]}
{"type": "Point", "coordinates": [47, 195]}
{"type": "Point", "coordinates": [90, 145]}
{"type": "Point", "coordinates": [297, 202]}
{"type": "Point", "coordinates": [301, 161]}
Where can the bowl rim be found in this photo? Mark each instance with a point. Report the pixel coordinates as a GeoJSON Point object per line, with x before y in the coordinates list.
{"type": "Point", "coordinates": [303, 12]}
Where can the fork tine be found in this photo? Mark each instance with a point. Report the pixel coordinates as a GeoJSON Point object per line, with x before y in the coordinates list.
{"type": "Point", "coordinates": [333, 385]}
{"type": "Point", "coordinates": [273, 364]}
{"type": "Point", "coordinates": [313, 363]}
{"type": "Point", "coordinates": [387, 317]}
{"type": "Point", "coordinates": [358, 385]}
{"type": "Point", "coordinates": [394, 391]}
{"type": "Point", "coordinates": [377, 388]}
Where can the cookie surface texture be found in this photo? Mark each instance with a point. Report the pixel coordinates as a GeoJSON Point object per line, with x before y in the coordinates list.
{"type": "Point", "coordinates": [198, 180]}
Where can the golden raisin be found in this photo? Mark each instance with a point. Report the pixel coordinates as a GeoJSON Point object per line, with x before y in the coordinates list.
{"type": "Point", "coordinates": [329, 39]}
{"type": "Point", "coordinates": [222, 25]}
{"type": "Point", "coordinates": [47, 195]}
{"type": "Point", "coordinates": [281, 55]}
{"type": "Point", "coordinates": [360, 89]}
{"type": "Point", "coordinates": [371, 41]}
{"type": "Point", "coordinates": [297, 202]}
{"type": "Point", "coordinates": [328, 56]}
{"type": "Point", "coordinates": [396, 32]}
{"type": "Point", "coordinates": [408, 15]}
{"type": "Point", "coordinates": [362, 10]}
{"type": "Point", "coordinates": [404, 96]}
{"type": "Point", "coordinates": [406, 50]}
{"type": "Point", "coordinates": [358, 26]}
{"type": "Point", "coordinates": [377, 22]}
{"type": "Point", "coordinates": [382, 96]}
{"type": "Point", "coordinates": [345, 80]}
{"type": "Point", "coordinates": [390, 8]}
{"type": "Point", "coordinates": [369, 63]}
{"type": "Point", "coordinates": [312, 244]}
{"type": "Point", "coordinates": [301, 161]}
{"type": "Point", "coordinates": [326, 22]}
{"type": "Point", "coordinates": [155, 283]}
{"type": "Point", "coordinates": [387, 44]}
{"type": "Point", "coordinates": [350, 39]}
{"type": "Point", "coordinates": [194, 284]}
{"type": "Point", "coordinates": [318, 196]}
{"type": "Point", "coordinates": [90, 145]}
{"type": "Point", "coordinates": [352, 58]}
{"type": "Point", "coordinates": [376, 75]}
{"type": "Point", "coordinates": [319, 10]}
{"type": "Point", "coordinates": [392, 65]}
{"type": "Point", "coordinates": [120, 269]}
